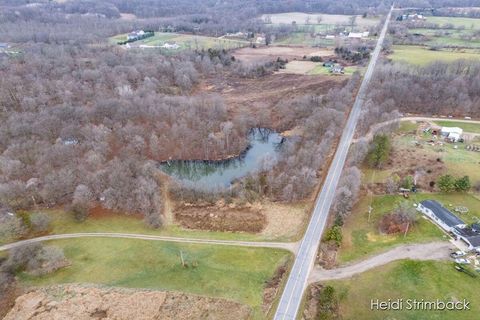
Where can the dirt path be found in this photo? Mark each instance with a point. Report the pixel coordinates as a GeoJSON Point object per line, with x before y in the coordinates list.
{"type": "Point", "coordinates": [427, 251]}
{"type": "Point", "coordinates": [290, 246]}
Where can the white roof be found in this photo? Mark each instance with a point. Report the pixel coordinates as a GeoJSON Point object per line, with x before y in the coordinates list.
{"type": "Point", "coordinates": [451, 130]}
{"type": "Point", "coordinates": [454, 136]}
{"type": "Point", "coordinates": [355, 34]}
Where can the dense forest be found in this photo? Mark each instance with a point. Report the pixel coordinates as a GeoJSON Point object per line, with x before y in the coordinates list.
{"type": "Point", "coordinates": [436, 89]}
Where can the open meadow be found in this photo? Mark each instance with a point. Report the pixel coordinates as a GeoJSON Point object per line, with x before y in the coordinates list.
{"type": "Point", "coordinates": [419, 55]}
{"type": "Point", "coordinates": [309, 25]}
{"type": "Point", "coordinates": [184, 41]}
{"type": "Point", "coordinates": [319, 19]}
{"type": "Point", "coordinates": [234, 273]}
{"type": "Point", "coordinates": [457, 22]}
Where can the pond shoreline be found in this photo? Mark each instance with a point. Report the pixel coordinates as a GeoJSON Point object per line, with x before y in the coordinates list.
{"type": "Point", "coordinates": [263, 144]}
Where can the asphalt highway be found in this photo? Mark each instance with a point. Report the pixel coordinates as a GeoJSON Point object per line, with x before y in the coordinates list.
{"type": "Point", "coordinates": [297, 281]}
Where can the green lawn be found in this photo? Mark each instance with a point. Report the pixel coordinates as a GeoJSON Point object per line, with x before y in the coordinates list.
{"type": "Point", "coordinates": [422, 56]}
{"type": "Point", "coordinates": [466, 126]}
{"type": "Point", "coordinates": [321, 70]}
{"type": "Point", "coordinates": [361, 237]}
{"type": "Point", "coordinates": [63, 222]}
{"type": "Point", "coordinates": [229, 272]}
{"type": "Point", "coordinates": [304, 39]}
{"type": "Point", "coordinates": [468, 23]}
{"type": "Point", "coordinates": [408, 280]}
{"type": "Point", "coordinates": [448, 37]}
{"type": "Point", "coordinates": [185, 41]}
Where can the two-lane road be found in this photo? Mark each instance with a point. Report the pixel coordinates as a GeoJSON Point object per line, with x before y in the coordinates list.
{"type": "Point", "coordinates": [297, 281]}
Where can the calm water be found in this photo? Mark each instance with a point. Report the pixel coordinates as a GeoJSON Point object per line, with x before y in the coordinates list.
{"type": "Point", "coordinates": [261, 154]}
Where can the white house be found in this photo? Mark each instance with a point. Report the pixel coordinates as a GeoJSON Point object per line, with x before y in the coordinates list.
{"type": "Point", "coordinates": [470, 235]}
{"type": "Point", "coordinates": [356, 35]}
{"type": "Point", "coordinates": [446, 131]}
{"type": "Point", "coordinates": [452, 133]}
{"type": "Point", "coordinates": [440, 215]}
{"type": "Point", "coordinates": [135, 35]}
{"type": "Point", "coordinates": [171, 46]}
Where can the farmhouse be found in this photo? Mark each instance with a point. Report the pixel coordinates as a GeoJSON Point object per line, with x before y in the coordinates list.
{"type": "Point", "coordinates": [358, 35]}
{"type": "Point", "coordinates": [469, 235]}
{"type": "Point", "coordinates": [135, 35]}
{"type": "Point", "coordinates": [451, 223]}
{"type": "Point", "coordinates": [411, 17]}
{"type": "Point", "coordinates": [440, 215]}
{"type": "Point", "coordinates": [170, 46]}
{"type": "Point", "coordinates": [451, 133]}
{"type": "Point", "coordinates": [337, 69]}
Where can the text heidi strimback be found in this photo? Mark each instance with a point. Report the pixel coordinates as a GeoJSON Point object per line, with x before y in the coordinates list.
{"type": "Point", "coordinates": [418, 304]}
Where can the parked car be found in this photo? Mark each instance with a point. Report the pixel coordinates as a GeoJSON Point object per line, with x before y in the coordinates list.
{"type": "Point", "coordinates": [457, 254]}
{"type": "Point", "coordinates": [462, 261]}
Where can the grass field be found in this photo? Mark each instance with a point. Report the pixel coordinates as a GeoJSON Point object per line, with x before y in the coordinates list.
{"type": "Point", "coordinates": [408, 280]}
{"type": "Point", "coordinates": [422, 56]}
{"type": "Point", "coordinates": [305, 39]}
{"type": "Point", "coordinates": [228, 272]}
{"type": "Point", "coordinates": [361, 237]}
{"type": "Point", "coordinates": [185, 41]}
{"type": "Point", "coordinates": [467, 127]}
{"type": "Point", "coordinates": [321, 70]}
{"type": "Point", "coordinates": [327, 20]}
{"type": "Point", "coordinates": [64, 222]}
{"type": "Point", "coordinates": [448, 37]}
{"type": "Point", "coordinates": [468, 23]}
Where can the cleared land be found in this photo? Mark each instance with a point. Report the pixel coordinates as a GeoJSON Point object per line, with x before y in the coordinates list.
{"type": "Point", "coordinates": [467, 127]}
{"type": "Point", "coordinates": [468, 23]}
{"type": "Point", "coordinates": [408, 158]}
{"type": "Point", "coordinates": [184, 41]}
{"type": "Point", "coordinates": [328, 24]}
{"type": "Point", "coordinates": [273, 52]}
{"type": "Point", "coordinates": [326, 19]}
{"type": "Point", "coordinates": [101, 220]}
{"type": "Point", "coordinates": [422, 56]}
{"type": "Point", "coordinates": [89, 302]}
{"type": "Point", "coordinates": [448, 37]}
{"type": "Point", "coordinates": [234, 273]}
{"type": "Point", "coordinates": [408, 280]}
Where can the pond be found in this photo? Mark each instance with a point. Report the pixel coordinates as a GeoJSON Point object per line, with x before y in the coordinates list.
{"type": "Point", "coordinates": [260, 154]}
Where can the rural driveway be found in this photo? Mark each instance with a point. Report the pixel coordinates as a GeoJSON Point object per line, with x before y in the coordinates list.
{"type": "Point", "coordinates": [290, 246]}
{"type": "Point", "coordinates": [427, 251]}
{"type": "Point", "coordinates": [297, 280]}
{"type": "Point", "coordinates": [373, 129]}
